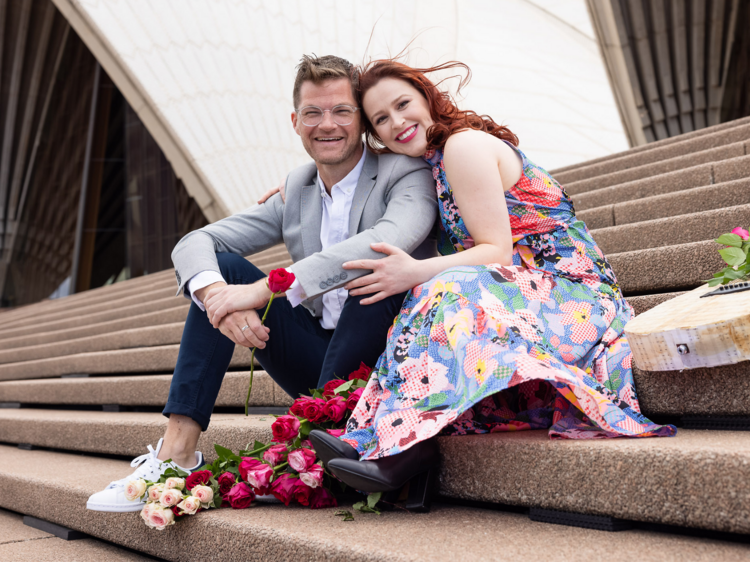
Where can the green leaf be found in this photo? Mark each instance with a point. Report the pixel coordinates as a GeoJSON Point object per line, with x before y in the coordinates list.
{"type": "Point", "coordinates": [730, 240]}
{"type": "Point", "coordinates": [317, 393]}
{"type": "Point", "coordinates": [305, 428]}
{"type": "Point", "coordinates": [734, 274]}
{"type": "Point", "coordinates": [344, 387]}
{"type": "Point", "coordinates": [714, 282]}
{"type": "Point", "coordinates": [733, 256]}
{"type": "Point", "coordinates": [364, 508]}
{"type": "Point", "coordinates": [373, 499]}
{"type": "Point", "coordinates": [347, 515]}
{"type": "Point", "coordinates": [226, 454]}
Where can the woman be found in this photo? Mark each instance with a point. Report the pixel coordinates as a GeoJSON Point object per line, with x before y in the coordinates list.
{"type": "Point", "coordinates": [517, 325]}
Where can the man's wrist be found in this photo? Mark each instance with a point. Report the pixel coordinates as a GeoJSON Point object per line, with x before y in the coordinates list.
{"type": "Point", "coordinates": [264, 291]}
{"type": "Point", "coordinates": [202, 292]}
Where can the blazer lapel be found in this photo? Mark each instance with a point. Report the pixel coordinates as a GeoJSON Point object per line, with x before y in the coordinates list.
{"type": "Point", "coordinates": [364, 187]}
{"type": "Point", "coordinates": [311, 215]}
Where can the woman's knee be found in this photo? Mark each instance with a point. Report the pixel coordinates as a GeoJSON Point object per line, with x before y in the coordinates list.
{"type": "Point", "coordinates": [237, 270]}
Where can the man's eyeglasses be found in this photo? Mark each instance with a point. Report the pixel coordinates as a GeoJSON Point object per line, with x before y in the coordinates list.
{"type": "Point", "coordinates": [341, 114]}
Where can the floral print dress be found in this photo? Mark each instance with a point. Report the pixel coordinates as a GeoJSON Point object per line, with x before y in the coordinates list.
{"type": "Point", "coordinates": [483, 349]}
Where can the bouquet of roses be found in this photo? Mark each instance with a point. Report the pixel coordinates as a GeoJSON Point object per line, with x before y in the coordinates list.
{"type": "Point", "coordinates": [736, 254]}
{"type": "Point", "coordinates": [287, 468]}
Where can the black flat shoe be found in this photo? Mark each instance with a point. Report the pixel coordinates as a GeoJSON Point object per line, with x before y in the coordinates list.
{"type": "Point", "coordinates": [328, 447]}
{"type": "Point", "coordinates": [416, 466]}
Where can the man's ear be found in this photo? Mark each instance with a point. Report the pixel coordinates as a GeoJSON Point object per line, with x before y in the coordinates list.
{"type": "Point", "coordinates": [294, 122]}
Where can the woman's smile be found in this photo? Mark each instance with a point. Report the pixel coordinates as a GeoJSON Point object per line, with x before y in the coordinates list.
{"type": "Point", "coordinates": [408, 134]}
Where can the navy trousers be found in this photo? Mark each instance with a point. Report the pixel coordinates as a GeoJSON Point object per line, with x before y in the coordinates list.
{"type": "Point", "coordinates": [299, 354]}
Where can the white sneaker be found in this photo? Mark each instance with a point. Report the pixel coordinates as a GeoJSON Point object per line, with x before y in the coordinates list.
{"type": "Point", "coordinates": [113, 499]}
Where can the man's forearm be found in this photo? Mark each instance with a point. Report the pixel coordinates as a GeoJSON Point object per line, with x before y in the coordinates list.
{"type": "Point", "coordinates": [201, 293]}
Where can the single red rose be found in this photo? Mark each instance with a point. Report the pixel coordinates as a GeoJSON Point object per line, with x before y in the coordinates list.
{"type": "Point", "coordinates": [336, 432]}
{"type": "Point", "coordinates": [363, 373]}
{"type": "Point", "coordinates": [298, 408]}
{"type": "Point", "coordinates": [248, 464]}
{"type": "Point", "coordinates": [314, 410]}
{"type": "Point", "coordinates": [240, 496]}
{"type": "Point", "coordinates": [354, 397]}
{"type": "Point", "coordinates": [320, 498]}
{"type": "Point", "coordinates": [226, 481]}
{"type": "Point", "coordinates": [335, 408]}
{"type": "Point", "coordinates": [302, 492]}
{"type": "Point", "coordinates": [283, 488]}
{"type": "Point", "coordinates": [285, 428]}
{"type": "Point", "coordinates": [330, 387]}
{"type": "Point", "coordinates": [199, 478]}
{"type": "Point", "coordinates": [279, 280]}
{"type": "Point", "coordinates": [178, 511]}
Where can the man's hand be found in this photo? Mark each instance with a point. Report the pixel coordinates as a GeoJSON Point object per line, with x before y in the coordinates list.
{"type": "Point", "coordinates": [232, 298]}
{"type": "Point", "coordinates": [255, 335]}
{"type": "Point", "coordinates": [202, 294]}
{"type": "Point", "coordinates": [273, 191]}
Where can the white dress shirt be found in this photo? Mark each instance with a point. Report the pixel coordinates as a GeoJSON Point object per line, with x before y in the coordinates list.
{"type": "Point", "coordinates": [334, 228]}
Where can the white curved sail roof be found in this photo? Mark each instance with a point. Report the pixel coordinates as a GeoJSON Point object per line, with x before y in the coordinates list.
{"type": "Point", "coordinates": [212, 80]}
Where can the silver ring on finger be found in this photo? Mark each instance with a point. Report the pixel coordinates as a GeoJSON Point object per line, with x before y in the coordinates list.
{"type": "Point", "coordinates": [245, 327]}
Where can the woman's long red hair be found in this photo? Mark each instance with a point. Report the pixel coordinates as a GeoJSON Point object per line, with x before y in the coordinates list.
{"type": "Point", "coordinates": [447, 118]}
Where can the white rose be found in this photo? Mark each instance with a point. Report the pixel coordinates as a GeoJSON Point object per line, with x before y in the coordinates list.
{"type": "Point", "coordinates": [170, 497]}
{"type": "Point", "coordinates": [155, 491]}
{"type": "Point", "coordinates": [204, 494]}
{"type": "Point", "coordinates": [161, 518]}
{"type": "Point", "coordinates": [190, 505]}
{"type": "Point", "coordinates": [146, 513]}
{"type": "Point", "coordinates": [175, 483]}
{"type": "Point", "coordinates": [135, 489]}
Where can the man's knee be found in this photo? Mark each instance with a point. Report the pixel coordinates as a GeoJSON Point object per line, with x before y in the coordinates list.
{"type": "Point", "coordinates": [236, 270]}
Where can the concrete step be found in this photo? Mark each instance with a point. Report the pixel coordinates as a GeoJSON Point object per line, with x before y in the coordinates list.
{"type": "Point", "coordinates": [696, 200]}
{"type": "Point", "coordinates": [689, 178]}
{"type": "Point", "coordinates": [139, 390]}
{"type": "Point", "coordinates": [167, 316]}
{"type": "Point", "coordinates": [671, 231]}
{"type": "Point", "coordinates": [140, 360]}
{"type": "Point", "coordinates": [654, 169]}
{"type": "Point", "coordinates": [696, 479]}
{"type": "Point", "coordinates": [666, 269]}
{"type": "Point", "coordinates": [275, 532]}
{"type": "Point", "coordinates": [710, 137]}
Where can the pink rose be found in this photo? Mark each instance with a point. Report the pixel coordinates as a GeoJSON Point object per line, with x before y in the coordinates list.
{"type": "Point", "coordinates": [189, 506]}
{"type": "Point", "coordinates": [160, 518]}
{"type": "Point", "coordinates": [283, 488]}
{"type": "Point", "coordinates": [240, 496]}
{"type": "Point", "coordinates": [226, 481]}
{"type": "Point", "coordinates": [313, 477]}
{"type": "Point", "coordinates": [260, 478]}
{"type": "Point", "coordinates": [314, 410]}
{"type": "Point", "coordinates": [135, 489]}
{"type": "Point", "coordinates": [320, 498]}
{"type": "Point", "coordinates": [248, 464]}
{"type": "Point", "coordinates": [298, 407]}
{"type": "Point", "coordinates": [170, 497]}
{"type": "Point", "coordinates": [204, 494]}
{"type": "Point", "coordinates": [302, 492]}
{"type": "Point", "coordinates": [275, 455]}
{"type": "Point", "coordinates": [285, 428]}
{"type": "Point", "coordinates": [155, 491]}
{"type": "Point", "coordinates": [198, 478]}
{"type": "Point", "coordinates": [335, 408]}
{"type": "Point", "coordinates": [329, 389]}
{"type": "Point", "coordinates": [336, 432]}
{"type": "Point", "coordinates": [354, 397]}
{"type": "Point", "coordinates": [741, 232]}
{"type": "Point", "coordinates": [174, 482]}
{"type": "Point", "coordinates": [146, 513]}
{"type": "Point", "coordinates": [301, 459]}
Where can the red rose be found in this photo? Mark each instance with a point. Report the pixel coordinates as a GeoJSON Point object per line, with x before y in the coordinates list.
{"type": "Point", "coordinates": [298, 408]}
{"type": "Point", "coordinates": [330, 387]}
{"type": "Point", "coordinates": [285, 428]}
{"type": "Point", "coordinates": [279, 280]}
{"type": "Point", "coordinates": [240, 496]}
{"type": "Point", "coordinates": [363, 373]}
{"type": "Point", "coordinates": [302, 492]}
{"type": "Point", "coordinates": [178, 511]}
{"type": "Point", "coordinates": [283, 488]}
{"type": "Point", "coordinates": [336, 432]}
{"type": "Point", "coordinates": [248, 464]}
{"type": "Point", "coordinates": [226, 481]}
{"type": "Point", "coordinates": [335, 408]}
{"type": "Point", "coordinates": [199, 478]}
{"type": "Point", "coordinates": [320, 498]}
{"type": "Point", "coordinates": [275, 455]}
{"type": "Point", "coordinates": [260, 478]}
{"type": "Point", "coordinates": [314, 410]}
{"type": "Point", "coordinates": [354, 397]}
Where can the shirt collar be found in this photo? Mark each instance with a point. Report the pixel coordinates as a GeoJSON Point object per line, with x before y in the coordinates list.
{"type": "Point", "coordinates": [349, 183]}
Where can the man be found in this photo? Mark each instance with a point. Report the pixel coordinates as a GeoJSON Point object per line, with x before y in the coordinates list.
{"type": "Point", "coordinates": [335, 209]}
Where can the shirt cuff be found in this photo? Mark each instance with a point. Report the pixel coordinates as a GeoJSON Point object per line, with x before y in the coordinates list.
{"type": "Point", "coordinates": [295, 294]}
{"type": "Point", "coordinates": [201, 280]}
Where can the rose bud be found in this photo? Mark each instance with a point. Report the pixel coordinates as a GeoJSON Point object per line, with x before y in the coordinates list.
{"type": "Point", "coordinates": [279, 280]}
{"type": "Point", "coordinates": [335, 408]}
{"type": "Point", "coordinates": [302, 459]}
{"type": "Point", "coordinates": [155, 491]}
{"type": "Point", "coordinates": [199, 478]}
{"type": "Point", "coordinates": [336, 432]}
{"type": "Point", "coordinates": [320, 498]}
{"type": "Point", "coordinates": [248, 464]}
{"type": "Point", "coordinates": [240, 496]}
{"type": "Point", "coordinates": [190, 505]}
{"type": "Point", "coordinates": [313, 477]}
{"type": "Point", "coordinates": [285, 428]}
{"type": "Point", "coordinates": [741, 232]}
{"type": "Point", "coordinates": [314, 410]}
{"type": "Point", "coordinates": [363, 373]}
{"type": "Point", "coordinates": [135, 489]}
{"type": "Point", "coordinates": [204, 494]}
{"type": "Point", "coordinates": [275, 455]}
{"type": "Point", "coordinates": [298, 408]}
{"type": "Point", "coordinates": [226, 481]}
{"type": "Point", "coordinates": [161, 518]}
{"type": "Point", "coordinates": [354, 397]}
{"type": "Point", "coordinates": [283, 488]}
{"type": "Point", "coordinates": [174, 483]}
{"type": "Point", "coordinates": [329, 389]}
{"type": "Point", "coordinates": [302, 492]}
{"type": "Point", "coordinates": [260, 478]}
{"type": "Point", "coordinates": [146, 513]}
{"type": "Point", "coordinates": [170, 497]}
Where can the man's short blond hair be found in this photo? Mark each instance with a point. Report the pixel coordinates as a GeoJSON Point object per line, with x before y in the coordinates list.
{"type": "Point", "coordinates": [319, 69]}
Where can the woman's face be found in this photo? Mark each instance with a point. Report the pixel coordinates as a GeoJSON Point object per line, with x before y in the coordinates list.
{"type": "Point", "coordinates": [400, 116]}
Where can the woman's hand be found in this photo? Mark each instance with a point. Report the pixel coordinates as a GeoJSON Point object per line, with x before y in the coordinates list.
{"type": "Point", "coordinates": [273, 191]}
{"type": "Point", "coordinates": [394, 274]}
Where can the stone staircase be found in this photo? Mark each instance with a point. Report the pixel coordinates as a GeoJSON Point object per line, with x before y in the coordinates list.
{"type": "Point", "coordinates": [83, 380]}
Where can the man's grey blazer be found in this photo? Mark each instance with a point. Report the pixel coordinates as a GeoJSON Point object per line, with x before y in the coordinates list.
{"type": "Point", "coordinates": [395, 202]}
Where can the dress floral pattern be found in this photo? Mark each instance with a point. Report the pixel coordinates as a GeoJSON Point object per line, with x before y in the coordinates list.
{"type": "Point", "coordinates": [483, 349]}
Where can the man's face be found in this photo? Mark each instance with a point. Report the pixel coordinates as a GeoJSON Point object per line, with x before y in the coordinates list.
{"type": "Point", "coordinates": [329, 143]}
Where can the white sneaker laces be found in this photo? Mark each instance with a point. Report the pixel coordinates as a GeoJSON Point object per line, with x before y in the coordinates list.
{"type": "Point", "coordinates": [150, 468]}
